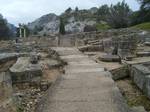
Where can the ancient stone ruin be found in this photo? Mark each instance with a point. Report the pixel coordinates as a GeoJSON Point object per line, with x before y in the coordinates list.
{"type": "Point", "coordinates": [87, 69]}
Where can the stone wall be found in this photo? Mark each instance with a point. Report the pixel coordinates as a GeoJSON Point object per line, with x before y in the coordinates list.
{"type": "Point", "coordinates": [6, 104]}
{"type": "Point", "coordinates": [141, 77]}
{"type": "Point", "coordinates": [78, 39]}
{"type": "Point", "coordinates": [120, 73]}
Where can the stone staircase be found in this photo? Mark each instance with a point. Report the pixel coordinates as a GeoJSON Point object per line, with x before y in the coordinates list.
{"type": "Point", "coordinates": [85, 87]}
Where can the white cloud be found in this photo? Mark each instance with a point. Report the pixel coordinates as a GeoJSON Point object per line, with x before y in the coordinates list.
{"type": "Point", "coordinates": [23, 11]}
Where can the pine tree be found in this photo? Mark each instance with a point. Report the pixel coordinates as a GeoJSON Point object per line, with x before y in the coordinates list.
{"type": "Point", "coordinates": [119, 15]}
{"type": "Point", "coordinates": [62, 27]}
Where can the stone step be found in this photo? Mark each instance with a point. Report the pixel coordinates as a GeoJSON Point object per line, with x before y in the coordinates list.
{"type": "Point", "coordinates": [85, 70]}
{"type": "Point", "coordinates": [85, 87]}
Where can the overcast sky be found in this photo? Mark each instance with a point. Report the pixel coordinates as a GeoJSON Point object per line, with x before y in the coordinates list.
{"type": "Point", "coordinates": [24, 11]}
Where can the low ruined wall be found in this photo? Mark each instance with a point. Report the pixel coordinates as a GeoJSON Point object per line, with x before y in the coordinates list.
{"type": "Point", "coordinates": [6, 104]}
{"type": "Point", "coordinates": [77, 39]}
{"type": "Point", "coordinates": [141, 77]}
{"type": "Point", "coordinates": [120, 73]}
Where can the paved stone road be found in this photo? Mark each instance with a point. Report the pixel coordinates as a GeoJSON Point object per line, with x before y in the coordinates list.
{"type": "Point", "coordinates": [85, 87]}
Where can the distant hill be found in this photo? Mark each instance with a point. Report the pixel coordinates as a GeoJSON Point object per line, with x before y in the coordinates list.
{"type": "Point", "coordinates": [75, 21]}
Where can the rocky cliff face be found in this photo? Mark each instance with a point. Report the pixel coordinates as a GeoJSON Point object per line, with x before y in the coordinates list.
{"type": "Point", "coordinates": [74, 22]}
{"type": "Point", "coordinates": [46, 24]}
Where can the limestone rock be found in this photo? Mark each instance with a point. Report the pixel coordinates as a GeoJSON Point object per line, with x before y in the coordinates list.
{"type": "Point", "coordinates": [24, 71]}
{"type": "Point", "coordinates": [110, 58]}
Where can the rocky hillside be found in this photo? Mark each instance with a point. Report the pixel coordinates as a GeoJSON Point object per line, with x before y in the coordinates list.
{"type": "Point", "coordinates": [75, 21]}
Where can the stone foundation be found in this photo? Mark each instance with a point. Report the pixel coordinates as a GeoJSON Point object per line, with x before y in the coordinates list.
{"type": "Point", "coordinates": [23, 71]}
{"type": "Point", "coordinates": [141, 77]}
{"type": "Point", "coordinates": [6, 104]}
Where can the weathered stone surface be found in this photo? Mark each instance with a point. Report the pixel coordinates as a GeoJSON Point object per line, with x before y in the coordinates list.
{"type": "Point", "coordinates": [120, 73]}
{"type": "Point", "coordinates": [24, 71]}
{"type": "Point", "coordinates": [5, 86]}
{"type": "Point", "coordinates": [50, 63]}
{"type": "Point", "coordinates": [147, 86]}
{"type": "Point", "coordinates": [6, 93]}
{"type": "Point", "coordinates": [139, 75]}
{"type": "Point", "coordinates": [110, 58]}
{"type": "Point", "coordinates": [4, 57]}
{"type": "Point", "coordinates": [34, 58]}
{"type": "Point", "coordinates": [147, 43]}
{"type": "Point", "coordinates": [7, 57]}
{"type": "Point", "coordinates": [91, 90]}
{"type": "Point", "coordinates": [89, 48]}
{"type": "Point", "coordinates": [142, 54]}
{"type": "Point", "coordinates": [138, 109]}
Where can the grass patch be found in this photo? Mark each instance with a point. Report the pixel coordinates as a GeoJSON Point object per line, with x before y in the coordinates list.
{"type": "Point", "coordinates": [143, 26]}
{"type": "Point", "coordinates": [102, 26]}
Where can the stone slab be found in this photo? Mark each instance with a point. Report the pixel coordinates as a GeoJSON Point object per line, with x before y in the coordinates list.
{"type": "Point", "coordinates": [24, 71]}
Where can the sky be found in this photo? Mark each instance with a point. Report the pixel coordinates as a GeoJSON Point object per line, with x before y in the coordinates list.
{"type": "Point", "coordinates": [24, 11]}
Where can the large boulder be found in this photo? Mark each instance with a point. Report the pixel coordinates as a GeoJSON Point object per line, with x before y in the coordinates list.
{"type": "Point", "coordinates": [24, 71]}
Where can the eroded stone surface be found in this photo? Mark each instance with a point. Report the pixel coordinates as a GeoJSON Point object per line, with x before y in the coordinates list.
{"type": "Point", "coordinates": [24, 71]}
{"type": "Point", "coordinates": [83, 90]}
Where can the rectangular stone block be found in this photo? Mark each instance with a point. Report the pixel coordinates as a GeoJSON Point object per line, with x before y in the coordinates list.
{"type": "Point", "coordinates": [139, 73]}
{"type": "Point", "coordinates": [147, 86]}
{"type": "Point", "coordinates": [5, 87]}
{"type": "Point", "coordinates": [23, 71]}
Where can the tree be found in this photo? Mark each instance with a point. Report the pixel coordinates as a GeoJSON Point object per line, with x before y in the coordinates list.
{"type": "Point", "coordinates": [119, 15]}
{"type": "Point", "coordinates": [62, 27]}
{"type": "Point", "coordinates": [145, 4]}
{"type": "Point", "coordinates": [102, 13]}
{"type": "Point", "coordinates": [76, 9]}
{"type": "Point", "coordinates": [68, 10]}
{"type": "Point", "coordinates": [4, 30]}
{"type": "Point", "coordinates": [144, 13]}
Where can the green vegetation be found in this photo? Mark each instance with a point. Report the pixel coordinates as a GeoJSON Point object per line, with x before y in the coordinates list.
{"type": "Point", "coordinates": [143, 26]}
{"type": "Point", "coordinates": [102, 26]}
{"type": "Point", "coordinates": [4, 30]}
{"type": "Point", "coordinates": [62, 27]}
{"type": "Point", "coordinates": [143, 15]}
{"type": "Point", "coordinates": [102, 13]}
{"type": "Point", "coordinates": [119, 15]}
